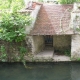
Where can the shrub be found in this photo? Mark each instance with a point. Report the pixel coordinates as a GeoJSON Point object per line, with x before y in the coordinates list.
{"type": "Point", "coordinates": [12, 26]}
{"type": "Point", "coordinates": [68, 1]}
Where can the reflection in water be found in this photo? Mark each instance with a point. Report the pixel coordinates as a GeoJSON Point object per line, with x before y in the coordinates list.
{"type": "Point", "coordinates": [75, 71]}
{"type": "Point", "coordinates": [40, 71]}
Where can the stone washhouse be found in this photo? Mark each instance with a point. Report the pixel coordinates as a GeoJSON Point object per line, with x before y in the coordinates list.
{"type": "Point", "coordinates": [55, 27]}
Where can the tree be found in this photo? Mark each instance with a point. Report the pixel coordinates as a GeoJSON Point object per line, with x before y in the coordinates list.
{"type": "Point", "coordinates": [7, 4]}
{"type": "Point", "coordinates": [67, 1]}
{"type": "Point", "coordinates": [12, 24]}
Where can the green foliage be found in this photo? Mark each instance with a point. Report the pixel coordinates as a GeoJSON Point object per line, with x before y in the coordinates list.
{"type": "Point", "coordinates": [68, 1]}
{"type": "Point", "coordinates": [9, 4]}
{"type": "Point", "coordinates": [3, 55]}
{"type": "Point", "coordinates": [40, 0]}
{"type": "Point", "coordinates": [12, 26]}
{"type": "Point", "coordinates": [23, 51]}
{"type": "Point", "coordinates": [78, 59]}
{"type": "Point", "coordinates": [67, 53]}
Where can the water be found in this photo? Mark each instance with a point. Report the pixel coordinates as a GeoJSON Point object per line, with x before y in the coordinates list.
{"type": "Point", "coordinates": [40, 71]}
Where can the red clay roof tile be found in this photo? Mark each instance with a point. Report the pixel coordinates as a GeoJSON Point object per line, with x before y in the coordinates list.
{"type": "Point", "coordinates": [49, 19]}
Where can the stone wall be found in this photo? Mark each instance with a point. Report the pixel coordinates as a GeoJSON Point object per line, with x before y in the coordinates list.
{"type": "Point", "coordinates": [75, 47]}
{"type": "Point", "coordinates": [12, 50]}
{"type": "Point", "coordinates": [61, 42]}
{"type": "Point", "coordinates": [37, 44]}
{"type": "Point", "coordinates": [75, 18]}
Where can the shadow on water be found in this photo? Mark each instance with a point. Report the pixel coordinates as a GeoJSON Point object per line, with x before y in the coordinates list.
{"type": "Point", "coordinates": [40, 71]}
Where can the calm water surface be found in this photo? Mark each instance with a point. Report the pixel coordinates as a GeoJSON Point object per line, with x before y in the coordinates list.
{"type": "Point", "coordinates": [40, 71]}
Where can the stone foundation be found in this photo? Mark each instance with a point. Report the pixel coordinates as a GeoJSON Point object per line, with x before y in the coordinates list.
{"type": "Point", "coordinates": [12, 50]}
{"type": "Point", "coordinates": [75, 47]}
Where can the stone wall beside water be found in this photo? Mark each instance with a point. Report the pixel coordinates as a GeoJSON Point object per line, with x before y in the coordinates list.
{"type": "Point", "coordinates": [75, 47]}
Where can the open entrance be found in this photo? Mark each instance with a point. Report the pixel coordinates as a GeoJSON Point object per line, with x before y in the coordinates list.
{"type": "Point", "coordinates": [43, 47]}
{"type": "Point", "coordinates": [56, 47]}
{"type": "Point", "coordinates": [48, 41]}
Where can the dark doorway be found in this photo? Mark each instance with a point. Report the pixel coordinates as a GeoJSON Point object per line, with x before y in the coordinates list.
{"type": "Point", "coordinates": [48, 40]}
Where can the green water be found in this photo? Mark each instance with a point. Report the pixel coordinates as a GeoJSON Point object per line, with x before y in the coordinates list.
{"type": "Point", "coordinates": [40, 71]}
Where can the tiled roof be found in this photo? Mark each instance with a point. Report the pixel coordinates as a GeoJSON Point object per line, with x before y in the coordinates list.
{"type": "Point", "coordinates": [53, 20]}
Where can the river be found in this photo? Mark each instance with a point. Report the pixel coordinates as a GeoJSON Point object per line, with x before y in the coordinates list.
{"type": "Point", "coordinates": [40, 71]}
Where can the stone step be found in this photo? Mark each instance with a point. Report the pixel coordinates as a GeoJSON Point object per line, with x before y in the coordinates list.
{"type": "Point", "coordinates": [46, 54]}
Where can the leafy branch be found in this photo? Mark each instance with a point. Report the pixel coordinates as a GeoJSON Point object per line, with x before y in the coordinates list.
{"type": "Point", "coordinates": [12, 26]}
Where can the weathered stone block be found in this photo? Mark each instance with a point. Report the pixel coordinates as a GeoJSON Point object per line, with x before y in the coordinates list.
{"type": "Point", "coordinates": [75, 47]}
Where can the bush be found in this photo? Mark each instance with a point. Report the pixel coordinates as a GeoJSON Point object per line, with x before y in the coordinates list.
{"type": "Point", "coordinates": [12, 30]}
{"type": "Point", "coordinates": [12, 26]}
{"type": "Point", "coordinates": [68, 1]}
{"type": "Point", "coordinates": [11, 3]}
